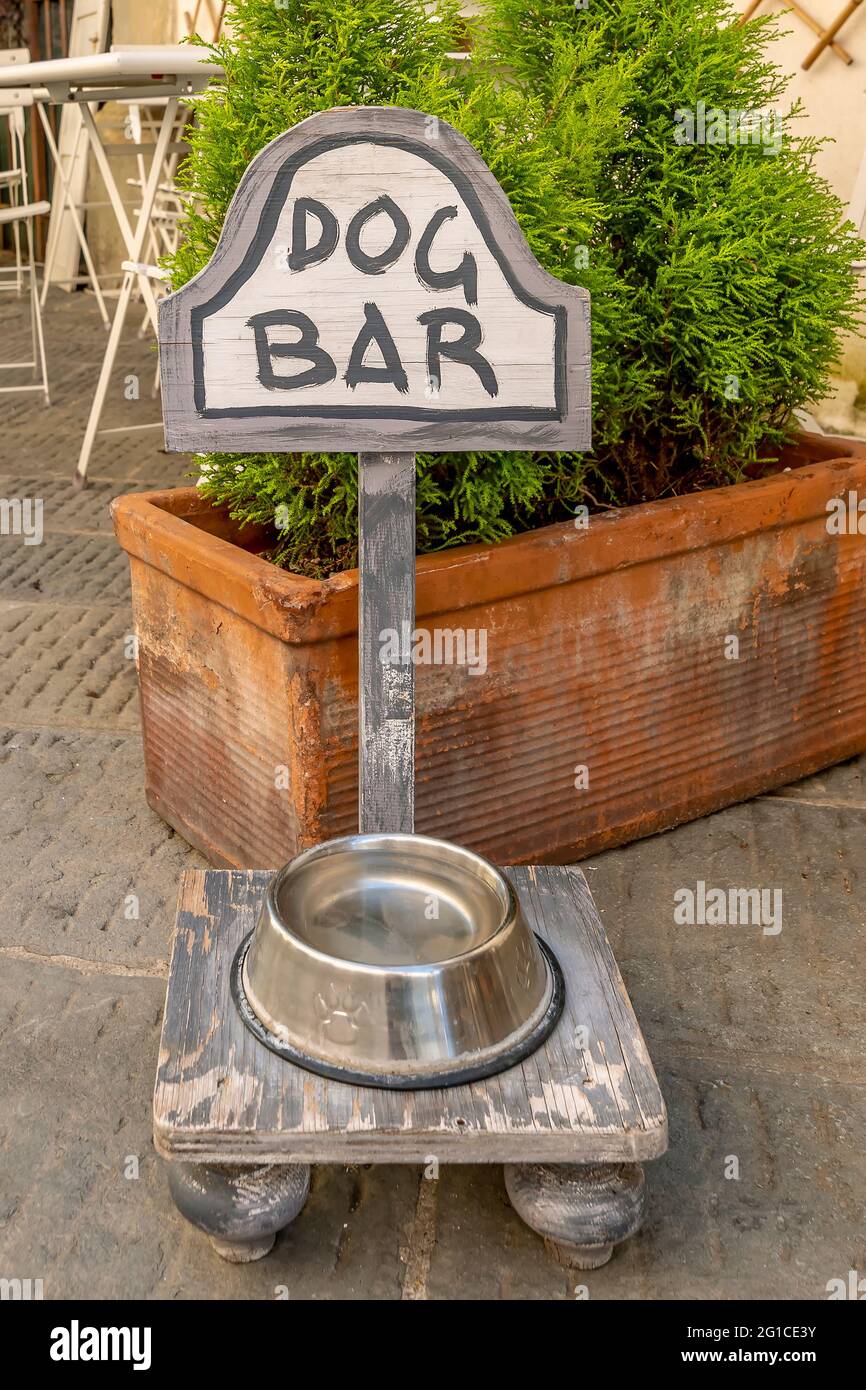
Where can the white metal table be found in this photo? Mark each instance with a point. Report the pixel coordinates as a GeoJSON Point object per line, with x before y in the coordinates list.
{"type": "Point", "coordinates": [164, 72]}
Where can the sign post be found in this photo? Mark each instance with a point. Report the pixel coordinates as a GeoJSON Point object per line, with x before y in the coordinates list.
{"type": "Point", "coordinates": [386, 602]}
{"type": "Point", "coordinates": [372, 290]}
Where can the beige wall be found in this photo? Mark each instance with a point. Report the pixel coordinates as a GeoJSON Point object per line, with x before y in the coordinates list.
{"type": "Point", "coordinates": [834, 98]}
{"type": "Point", "coordinates": [833, 95]}
{"type": "Point", "coordinates": [205, 12]}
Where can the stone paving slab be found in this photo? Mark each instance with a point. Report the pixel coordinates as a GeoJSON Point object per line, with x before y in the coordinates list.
{"type": "Point", "coordinates": [67, 568]}
{"type": "Point", "coordinates": [134, 455]}
{"type": "Point", "coordinates": [793, 1001]}
{"type": "Point", "coordinates": [112, 462]}
{"type": "Point", "coordinates": [87, 870]}
{"type": "Point", "coordinates": [65, 666]}
{"type": "Point", "coordinates": [845, 784]}
{"type": "Point", "coordinates": [69, 511]}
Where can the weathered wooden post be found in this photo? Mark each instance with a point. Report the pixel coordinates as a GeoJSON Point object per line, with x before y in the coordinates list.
{"type": "Point", "coordinates": [372, 290]}
{"type": "Point", "coordinates": [386, 692]}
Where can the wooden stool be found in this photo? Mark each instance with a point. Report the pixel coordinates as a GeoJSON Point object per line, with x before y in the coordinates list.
{"type": "Point", "coordinates": [240, 1126]}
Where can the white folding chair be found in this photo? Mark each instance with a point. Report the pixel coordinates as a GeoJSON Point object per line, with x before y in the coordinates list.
{"type": "Point", "coordinates": [11, 179]}
{"type": "Point", "coordinates": [161, 287]}
{"type": "Point", "coordinates": [11, 194]}
{"type": "Point", "coordinates": [163, 233]}
{"type": "Point", "coordinates": [19, 214]}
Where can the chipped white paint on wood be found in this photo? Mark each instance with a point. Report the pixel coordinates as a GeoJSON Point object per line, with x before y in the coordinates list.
{"type": "Point", "coordinates": [221, 1097]}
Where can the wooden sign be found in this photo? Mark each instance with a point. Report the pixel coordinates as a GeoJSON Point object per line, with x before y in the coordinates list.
{"type": "Point", "coordinates": [372, 291]}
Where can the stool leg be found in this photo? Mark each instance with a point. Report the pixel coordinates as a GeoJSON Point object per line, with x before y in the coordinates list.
{"type": "Point", "coordinates": [241, 1209]}
{"type": "Point", "coordinates": [582, 1210]}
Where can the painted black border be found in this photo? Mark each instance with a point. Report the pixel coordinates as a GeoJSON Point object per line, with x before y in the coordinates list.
{"type": "Point", "coordinates": [399, 1081]}
{"type": "Point", "coordinates": [274, 204]}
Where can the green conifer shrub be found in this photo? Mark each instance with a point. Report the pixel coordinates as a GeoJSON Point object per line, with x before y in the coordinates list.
{"type": "Point", "coordinates": [720, 275]}
{"type": "Point", "coordinates": [734, 252]}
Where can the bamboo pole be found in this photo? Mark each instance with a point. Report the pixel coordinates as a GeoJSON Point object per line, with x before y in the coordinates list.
{"type": "Point", "coordinates": [814, 24]}
{"type": "Point", "coordinates": [829, 34]}
{"type": "Point", "coordinates": [808, 19]}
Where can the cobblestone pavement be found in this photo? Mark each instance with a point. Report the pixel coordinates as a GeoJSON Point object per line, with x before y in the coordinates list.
{"type": "Point", "coordinates": [758, 1040]}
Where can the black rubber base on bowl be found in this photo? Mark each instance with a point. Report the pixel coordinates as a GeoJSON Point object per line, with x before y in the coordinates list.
{"type": "Point", "coordinates": [401, 1081]}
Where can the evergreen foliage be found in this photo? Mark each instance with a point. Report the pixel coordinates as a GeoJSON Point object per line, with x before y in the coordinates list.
{"type": "Point", "coordinates": [720, 274]}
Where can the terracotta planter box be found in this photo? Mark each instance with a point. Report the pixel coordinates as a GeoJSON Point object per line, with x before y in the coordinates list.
{"type": "Point", "coordinates": [606, 647]}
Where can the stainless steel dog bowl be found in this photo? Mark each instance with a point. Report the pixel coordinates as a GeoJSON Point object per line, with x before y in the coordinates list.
{"type": "Point", "coordinates": [397, 961]}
